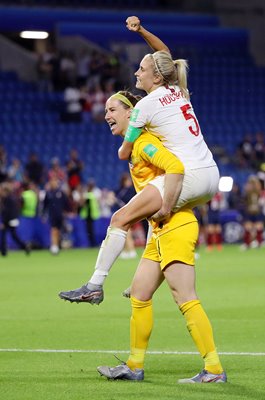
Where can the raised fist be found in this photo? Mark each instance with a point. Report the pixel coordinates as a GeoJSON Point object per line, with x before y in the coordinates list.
{"type": "Point", "coordinates": [133, 23]}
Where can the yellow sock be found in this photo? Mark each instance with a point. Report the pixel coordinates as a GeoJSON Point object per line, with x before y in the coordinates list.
{"type": "Point", "coordinates": [201, 332]}
{"type": "Point", "coordinates": [141, 325]}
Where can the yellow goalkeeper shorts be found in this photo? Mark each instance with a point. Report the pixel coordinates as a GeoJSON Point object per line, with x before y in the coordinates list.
{"type": "Point", "coordinates": [175, 245]}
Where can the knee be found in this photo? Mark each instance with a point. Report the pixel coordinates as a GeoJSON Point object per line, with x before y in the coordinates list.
{"type": "Point", "coordinates": [183, 297]}
{"type": "Point", "coordinates": [141, 294]}
{"type": "Point", "coordinates": [118, 220]}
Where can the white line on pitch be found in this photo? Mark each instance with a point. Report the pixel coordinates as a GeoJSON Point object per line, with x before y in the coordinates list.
{"type": "Point", "coordinates": [123, 352]}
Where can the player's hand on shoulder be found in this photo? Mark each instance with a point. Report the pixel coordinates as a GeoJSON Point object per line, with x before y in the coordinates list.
{"type": "Point", "coordinates": [133, 23]}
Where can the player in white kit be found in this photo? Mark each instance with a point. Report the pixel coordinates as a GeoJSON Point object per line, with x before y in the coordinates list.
{"type": "Point", "coordinates": [167, 112]}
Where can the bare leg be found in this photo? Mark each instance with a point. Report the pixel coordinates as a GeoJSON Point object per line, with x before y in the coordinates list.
{"type": "Point", "coordinates": [145, 203]}
{"type": "Point", "coordinates": [181, 280]}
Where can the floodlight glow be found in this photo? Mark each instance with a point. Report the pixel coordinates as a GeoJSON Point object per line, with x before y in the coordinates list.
{"type": "Point", "coordinates": [34, 35]}
{"type": "Point", "coordinates": [225, 184]}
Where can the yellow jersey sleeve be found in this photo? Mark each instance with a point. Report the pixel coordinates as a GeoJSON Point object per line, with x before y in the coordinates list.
{"type": "Point", "coordinates": [150, 149]}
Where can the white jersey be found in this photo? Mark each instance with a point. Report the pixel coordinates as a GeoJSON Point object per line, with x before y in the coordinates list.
{"type": "Point", "coordinates": [169, 115]}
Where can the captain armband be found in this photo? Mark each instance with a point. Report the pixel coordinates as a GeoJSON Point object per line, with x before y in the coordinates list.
{"type": "Point", "coordinates": [132, 134]}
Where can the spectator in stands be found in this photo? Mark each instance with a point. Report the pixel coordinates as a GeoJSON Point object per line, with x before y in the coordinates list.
{"type": "Point", "coordinates": [106, 202]}
{"type": "Point", "coordinates": [83, 67]}
{"type": "Point", "coordinates": [246, 152]}
{"type": "Point", "coordinates": [95, 67]}
{"type": "Point", "coordinates": [259, 149]}
{"type": "Point", "coordinates": [67, 73]}
{"type": "Point", "coordinates": [46, 67]}
{"type": "Point", "coordinates": [235, 200]}
{"type": "Point", "coordinates": [72, 104]}
{"type": "Point", "coordinates": [34, 170]}
{"type": "Point", "coordinates": [74, 167]}
{"type": "Point", "coordinates": [29, 200]}
{"type": "Point", "coordinates": [214, 226]}
{"type": "Point", "coordinates": [29, 210]}
{"type": "Point", "coordinates": [109, 88]}
{"type": "Point", "coordinates": [97, 103]}
{"type": "Point", "coordinates": [90, 209]}
{"type": "Point", "coordinates": [56, 171]}
{"type": "Point", "coordinates": [10, 212]}
{"type": "Point", "coordinates": [15, 171]}
{"type": "Point", "coordinates": [262, 205]}
{"type": "Point", "coordinates": [56, 204]}
{"type": "Point", "coordinates": [114, 64]}
{"type": "Point", "coordinates": [253, 216]}
{"type": "Point", "coordinates": [3, 164]}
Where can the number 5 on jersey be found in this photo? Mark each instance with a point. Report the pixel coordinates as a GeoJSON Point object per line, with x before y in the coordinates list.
{"type": "Point", "coordinates": [189, 116]}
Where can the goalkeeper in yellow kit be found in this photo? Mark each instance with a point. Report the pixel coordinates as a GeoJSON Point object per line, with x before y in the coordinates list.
{"type": "Point", "coordinates": [169, 253]}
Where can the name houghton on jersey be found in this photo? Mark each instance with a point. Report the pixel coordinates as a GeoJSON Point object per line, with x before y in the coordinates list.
{"type": "Point", "coordinates": [171, 97]}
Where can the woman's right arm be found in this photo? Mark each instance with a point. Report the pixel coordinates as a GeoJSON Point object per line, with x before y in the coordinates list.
{"type": "Point", "coordinates": [134, 24]}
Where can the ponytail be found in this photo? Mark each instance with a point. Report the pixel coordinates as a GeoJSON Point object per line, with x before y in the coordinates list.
{"type": "Point", "coordinates": [182, 68]}
{"type": "Point", "coordinates": [173, 72]}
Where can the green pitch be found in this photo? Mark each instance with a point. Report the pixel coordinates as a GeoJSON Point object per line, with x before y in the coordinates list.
{"type": "Point", "coordinates": [231, 285]}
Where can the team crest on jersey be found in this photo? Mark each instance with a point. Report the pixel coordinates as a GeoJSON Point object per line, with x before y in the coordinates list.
{"type": "Point", "coordinates": [134, 114]}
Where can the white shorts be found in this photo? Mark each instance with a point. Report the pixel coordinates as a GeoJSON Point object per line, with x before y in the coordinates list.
{"type": "Point", "coordinates": [199, 186]}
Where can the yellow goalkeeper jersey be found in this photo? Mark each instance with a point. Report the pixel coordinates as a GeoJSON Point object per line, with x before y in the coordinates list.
{"type": "Point", "coordinates": [149, 159]}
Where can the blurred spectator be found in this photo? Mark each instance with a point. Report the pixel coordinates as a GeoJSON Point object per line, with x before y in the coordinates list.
{"type": "Point", "coordinates": [95, 67]}
{"type": "Point", "coordinates": [107, 200]}
{"type": "Point", "coordinates": [46, 66]}
{"type": "Point", "coordinates": [29, 211]}
{"type": "Point", "coordinates": [253, 217]}
{"type": "Point", "coordinates": [214, 227]}
{"type": "Point", "coordinates": [83, 67]}
{"type": "Point", "coordinates": [235, 200]}
{"type": "Point", "coordinates": [67, 70]}
{"type": "Point", "coordinates": [90, 209]}
{"type": "Point", "coordinates": [201, 215]}
{"type": "Point", "coordinates": [72, 105]}
{"type": "Point", "coordinates": [3, 164]}
{"type": "Point", "coordinates": [109, 88]}
{"type": "Point", "coordinates": [29, 200]}
{"type": "Point", "coordinates": [114, 64]}
{"type": "Point", "coordinates": [10, 212]}
{"type": "Point", "coordinates": [15, 171]}
{"type": "Point", "coordinates": [259, 149]}
{"type": "Point", "coordinates": [34, 170]}
{"type": "Point", "coordinates": [74, 168]}
{"type": "Point", "coordinates": [97, 101]}
{"type": "Point", "coordinates": [246, 152]}
{"type": "Point", "coordinates": [56, 171]}
{"type": "Point", "coordinates": [55, 204]}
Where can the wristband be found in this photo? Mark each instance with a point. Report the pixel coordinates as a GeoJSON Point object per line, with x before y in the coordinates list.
{"type": "Point", "coordinates": [132, 134]}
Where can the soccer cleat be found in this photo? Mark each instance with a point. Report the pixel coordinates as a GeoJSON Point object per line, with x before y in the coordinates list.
{"type": "Point", "coordinates": [93, 295]}
{"type": "Point", "coordinates": [122, 372]}
{"type": "Point", "coordinates": [206, 377]}
{"type": "Point", "coordinates": [127, 292]}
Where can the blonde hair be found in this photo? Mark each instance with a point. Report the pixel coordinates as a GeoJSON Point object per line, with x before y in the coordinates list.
{"type": "Point", "coordinates": [173, 72]}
